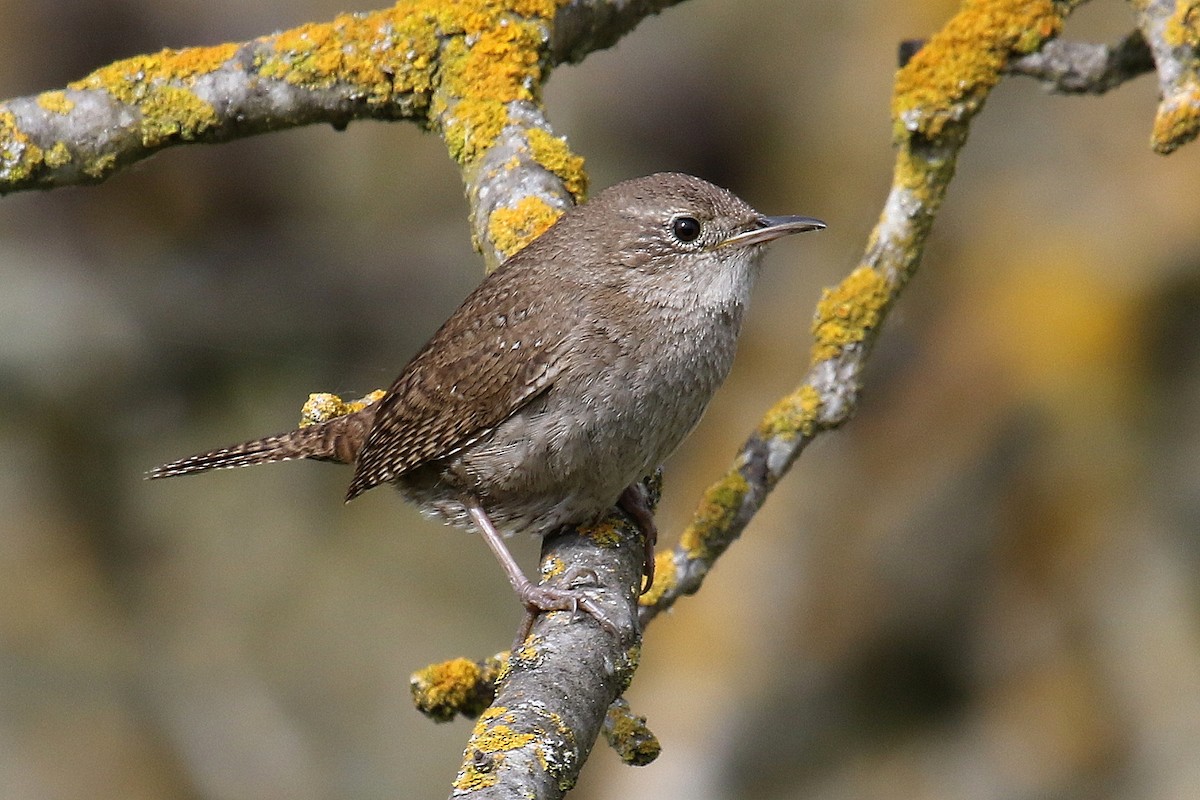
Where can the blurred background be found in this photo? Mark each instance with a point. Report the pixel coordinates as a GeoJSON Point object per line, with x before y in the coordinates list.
{"type": "Point", "coordinates": [984, 586]}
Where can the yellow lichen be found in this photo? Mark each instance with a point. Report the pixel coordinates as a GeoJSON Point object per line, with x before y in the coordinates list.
{"type": "Point", "coordinates": [489, 742]}
{"type": "Point", "coordinates": [55, 102]}
{"type": "Point", "coordinates": [665, 579]}
{"type": "Point", "coordinates": [629, 735]}
{"type": "Point", "coordinates": [478, 55]}
{"type": "Point", "coordinates": [794, 415]}
{"type": "Point", "coordinates": [527, 655]}
{"type": "Point", "coordinates": [443, 690]}
{"type": "Point", "coordinates": [553, 567]}
{"type": "Point", "coordinates": [606, 532]}
{"type": "Point", "coordinates": [353, 49]}
{"type": "Point", "coordinates": [20, 158]}
{"type": "Point", "coordinates": [323, 406]}
{"type": "Point", "coordinates": [160, 85]}
{"type": "Point", "coordinates": [100, 166]}
{"type": "Point", "coordinates": [848, 311]}
{"type": "Point", "coordinates": [476, 775]}
{"type": "Point", "coordinates": [1183, 26]}
{"type": "Point", "coordinates": [553, 153]}
{"type": "Point", "coordinates": [717, 509]}
{"type": "Point", "coordinates": [1177, 121]}
{"type": "Point", "coordinates": [171, 112]}
{"type": "Point", "coordinates": [58, 156]}
{"type": "Point", "coordinates": [511, 229]}
{"type": "Point", "coordinates": [130, 79]}
{"type": "Point", "coordinates": [949, 77]}
{"type": "Point", "coordinates": [498, 738]}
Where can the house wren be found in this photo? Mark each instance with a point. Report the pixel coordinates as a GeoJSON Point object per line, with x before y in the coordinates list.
{"type": "Point", "coordinates": [570, 373]}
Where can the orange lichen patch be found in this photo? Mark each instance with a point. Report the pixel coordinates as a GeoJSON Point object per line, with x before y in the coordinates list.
{"type": "Point", "coordinates": [323, 406]}
{"type": "Point", "coordinates": [131, 79]}
{"type": "Point", "coordinates": [441, 691]}
{"type": "Point", "coordinates": [948, 79]}
{"type": "Point", "coordinates": [55, 102]}
{"type": "Point", "coordinates": [160, 84]}
{"type": "Point", "coordinates": [794, 415]}
{"type": "Point", "coordinates": [511, 228]}
{"type": "Point", "coordinates": [478, 55]}
{"type": "Point", "coordinates": [848, 311]}
{"type": "Point", "coordinates": [1177, 121]}
{"type": "Point", "coordinates": [553, 153]}
{"type": "Point", "coordinates": [717, 510]}
{"type": "Point", "coordinates": [366, 51]}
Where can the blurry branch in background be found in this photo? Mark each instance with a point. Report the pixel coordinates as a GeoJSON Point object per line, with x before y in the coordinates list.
{"type": "Point", "coordinates": [473, 72]}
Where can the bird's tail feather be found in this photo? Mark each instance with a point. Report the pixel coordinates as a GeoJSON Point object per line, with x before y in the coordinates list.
{"type": "Point", "coordinates": [337, 440]}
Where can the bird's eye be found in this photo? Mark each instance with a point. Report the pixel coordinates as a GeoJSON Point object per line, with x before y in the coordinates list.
{"type": "Point", "coordinates": [685, 229]}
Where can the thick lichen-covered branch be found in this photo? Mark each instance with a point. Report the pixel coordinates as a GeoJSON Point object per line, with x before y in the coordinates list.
{"type": "Point", "coordinates": [1172, 29]}
{"type": "Point", "coordinates": [559, 683]}
{"type": "Point", "coordinates": [937, 94]}
{"type": "Point", "coordinates": [470, 69]}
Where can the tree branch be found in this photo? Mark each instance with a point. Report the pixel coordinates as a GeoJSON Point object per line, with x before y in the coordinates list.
{"type": "Point", "coordinates": [1172, 29]}
{"type": "Point", "coordinates": [1085, 68]}
{"type": "Point", "coordinates": [473, 71]}
{"type": "Point", "coordinates": [937, 94]}
{"type": "Point", "coordinates": [560, 682]}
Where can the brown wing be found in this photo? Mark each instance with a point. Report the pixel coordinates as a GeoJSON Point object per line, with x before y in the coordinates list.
{"type": "Point", "coordinates": [495, 353]}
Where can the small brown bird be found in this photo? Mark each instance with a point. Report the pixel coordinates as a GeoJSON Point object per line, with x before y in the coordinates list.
{"type": "Point", "coordinates": [570, 373]}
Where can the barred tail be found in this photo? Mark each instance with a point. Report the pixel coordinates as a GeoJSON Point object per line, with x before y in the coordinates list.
{"type": "Point", "coordinates": [337, 440]}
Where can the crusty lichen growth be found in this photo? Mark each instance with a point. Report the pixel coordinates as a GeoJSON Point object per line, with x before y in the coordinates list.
{"type": "Point", "coordinates": [171, 112]}
{"type": "Point", "coordinates": [160, 86]}
{"type": "Point", "coordinates": [720, 505]}
{"type": "Point", "coordinates": [1183, 26]}
{"type": "Point", "coordinates": [493, 58]}
{"type": "Point", "coordinates": [19, 156]}
{"type": "Point", "coordinates": [131, 80]}
{"type": "Point", "coordinates": [629, 735]}
{"type": "Point", "coordinates": [553, 153]}
{"type": "Point", "coordinates": [949, 77]}
{"type": "Point", "coordinates": [441, 690]}
{"type": "Point", "coordinates": [606, 532]}
{"type": "Point", "coordinates": [511, 229]}
{"type": "Point", "coordinates": [847, 312]}
{"type": "Point", "coordinates": [794, 415]}
{"type": "Point", "coordinates": [1177, 120]}
{"type": "Point", "coordinates": [323, 406]}
{"type": "Point", "coordinates": [552, 567]}
{"type": "Point", "coordinates": [459, 686]}
{"type": "Point", "coordinates": [666, 578]}
{"type": "Point", "coordinates": [55, 102]}
{"type": "Point", "coordinates": [492, 737]}
{"type": "Point", "coordinates": [58, 156]}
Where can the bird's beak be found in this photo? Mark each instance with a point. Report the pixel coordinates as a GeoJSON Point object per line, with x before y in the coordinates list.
{"type": "Point", "coordinates": [772, 228]}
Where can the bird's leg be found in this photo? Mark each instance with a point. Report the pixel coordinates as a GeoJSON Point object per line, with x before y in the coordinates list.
{"type": "Point", "coordinates": [535, 597]}
{"type": "Point", "coordinates": [636, 505]}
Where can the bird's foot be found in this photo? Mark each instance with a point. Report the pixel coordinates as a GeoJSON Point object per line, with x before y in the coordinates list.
{"type": "Point", "coordinates": [636, 505]}
{"type": "Point", "coordinates": [539, 598]}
